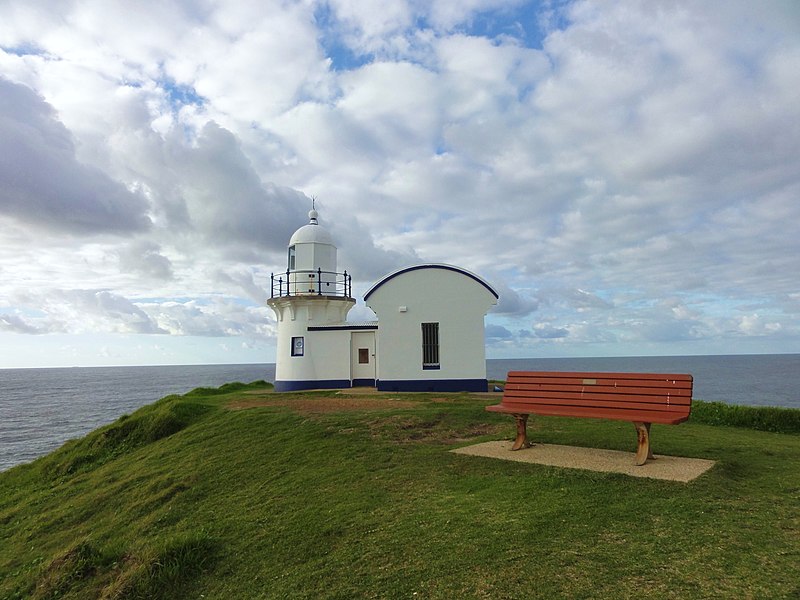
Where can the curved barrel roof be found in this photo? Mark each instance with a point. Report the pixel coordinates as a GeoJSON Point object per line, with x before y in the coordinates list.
{"type": "Point", "coordinates": [464, 272]}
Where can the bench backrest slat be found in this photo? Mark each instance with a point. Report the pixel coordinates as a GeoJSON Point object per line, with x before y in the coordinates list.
{"type": "Point", "coordinates": [651, 402]}
{"type": "Point", "coordinates": [657, 380]}
{"type": "Point", "coordinates": [597, 390]}
{"type": "Point", "coordinates": [647, 397]}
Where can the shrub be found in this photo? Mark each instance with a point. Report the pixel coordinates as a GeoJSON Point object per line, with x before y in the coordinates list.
{"type": "Point", "coordinates": [762, 418]}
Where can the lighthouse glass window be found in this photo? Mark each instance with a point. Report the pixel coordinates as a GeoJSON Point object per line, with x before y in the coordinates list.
{"type": "Point", "coordinates": [298, 346]}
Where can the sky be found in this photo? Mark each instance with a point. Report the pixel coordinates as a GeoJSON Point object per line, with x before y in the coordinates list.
{"type": "Point", "coordinates": [624, 173]}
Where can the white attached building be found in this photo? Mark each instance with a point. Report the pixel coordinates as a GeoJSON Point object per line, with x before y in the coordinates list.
{"type": "Point", "coordinates": [429, 335]}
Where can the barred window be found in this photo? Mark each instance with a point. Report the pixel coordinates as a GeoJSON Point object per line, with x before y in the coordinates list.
{"type": "Point", "coordinates": [430, 345]}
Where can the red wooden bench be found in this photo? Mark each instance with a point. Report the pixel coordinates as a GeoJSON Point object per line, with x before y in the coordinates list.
{"type": "Point", "coordinates": [642, 398]}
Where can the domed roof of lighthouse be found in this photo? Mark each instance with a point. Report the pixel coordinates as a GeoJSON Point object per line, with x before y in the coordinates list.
{"type": "Point", "coordinates": [311, 233]}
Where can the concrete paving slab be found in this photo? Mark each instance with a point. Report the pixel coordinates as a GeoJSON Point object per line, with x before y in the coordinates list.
{"type": "Point", "coordinates": [673, 468]}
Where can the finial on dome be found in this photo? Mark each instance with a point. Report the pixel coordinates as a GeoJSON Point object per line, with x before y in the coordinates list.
{"type": "Point", "coordinates": [312, 214]}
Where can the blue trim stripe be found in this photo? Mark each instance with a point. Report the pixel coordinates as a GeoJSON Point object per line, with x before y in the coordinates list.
{"type": "Point", "coordinates": [387, 385]}
{"type": "Point", "coordinates": [391, 276]}
{"type": "Point", "coordinates": [433, 385]}
{"type": "Point", "coordinates": [319, 384]}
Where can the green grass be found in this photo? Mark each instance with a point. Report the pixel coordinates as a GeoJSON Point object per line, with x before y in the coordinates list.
{"type": "Point", "coordinates": [767, 418]}
{"type": "Point", "coordinates": [188, 498]}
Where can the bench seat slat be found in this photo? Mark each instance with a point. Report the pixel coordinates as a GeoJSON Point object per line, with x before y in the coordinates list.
{"type": "Point", "coordinates": [611, 403]}
{"type": "Point", "coordinates": [596, 391]}
{"type": "Point", "coordinates": [521, 396]}
{"type": "Point", "coordinates": [646, 416]}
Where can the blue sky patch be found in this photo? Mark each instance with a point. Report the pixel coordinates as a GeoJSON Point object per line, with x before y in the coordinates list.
{"type": "Point", "coordinates": [528, 22]}
{"type": "Point", "coordinates": [180, 95]}
{"type": "Point", "coordinates": [520, 22]}
{"type": "Point", "coordinates": [342, 57]}
{"type": "Point", "coordinates": [26, 49]}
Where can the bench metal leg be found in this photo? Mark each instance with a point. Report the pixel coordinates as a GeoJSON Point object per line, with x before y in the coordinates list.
{"type": "Point", "coordinates": [643, 452]}
{"type": "Point", "coordinates": [522, 433]}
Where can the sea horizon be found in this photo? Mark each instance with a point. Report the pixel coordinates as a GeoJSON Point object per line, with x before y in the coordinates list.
{"type": "Point", "coordinates": [219, 364]}
{"type": "Point", "coordinates": [42, 407]}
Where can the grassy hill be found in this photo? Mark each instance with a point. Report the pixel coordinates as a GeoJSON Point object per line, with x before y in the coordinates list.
{"type": "Point", "coordinates": [242, 493]}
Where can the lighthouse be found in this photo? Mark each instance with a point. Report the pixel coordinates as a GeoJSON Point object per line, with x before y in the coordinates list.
{"type": "Point", "coordinates": [311, 300]}
{"type": "Point", "coordinates": [429, 335]}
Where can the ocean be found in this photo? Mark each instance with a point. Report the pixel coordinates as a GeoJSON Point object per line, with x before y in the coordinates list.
{"type": "Point", "coordinates": [40, 409]}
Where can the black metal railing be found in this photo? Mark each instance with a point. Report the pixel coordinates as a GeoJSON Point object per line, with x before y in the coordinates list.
{"type": "Point", "coordinates": [311, 283]}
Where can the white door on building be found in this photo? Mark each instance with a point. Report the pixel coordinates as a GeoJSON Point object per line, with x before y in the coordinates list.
{"type": "Point", "coordinates": [362, 358]}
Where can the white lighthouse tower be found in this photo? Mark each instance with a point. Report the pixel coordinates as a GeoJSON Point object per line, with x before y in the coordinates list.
{"type": "Point", "coordinates": [311, 301]}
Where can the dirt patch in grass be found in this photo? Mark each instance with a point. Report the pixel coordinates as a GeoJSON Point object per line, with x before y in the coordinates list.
{"type": "Point", "coordinates": [411, 429]}
{"type": "Point", "coordinates": [324, 404]}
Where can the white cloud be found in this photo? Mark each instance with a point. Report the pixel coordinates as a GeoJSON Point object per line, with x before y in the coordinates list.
{"type": "Point", "coordinates": [17, 324]}
{"type": "Point", "coordinates": [627, 181]}
{"type": "Point", "coordinates": [226, 201]}
{"type": "Point", "coordinates": [82, 311]}
{"type": "Point", "coordinates": [514, 303]}
{"type": "Point", "coordinates": [44, 184]}
{"type": "Point", "coordinates": [372, 28]}
{"type": "Point", "coordinates": [243, 279]}
{"type": "Point", "coordinates": [144, 258]}
{"type": "Point", "coordinates": [217, 318]}
{"type": "Point", "coordinates": [546, 331]}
